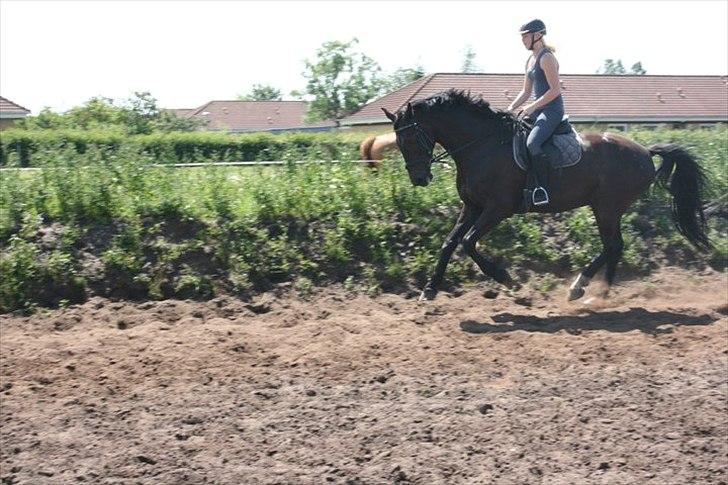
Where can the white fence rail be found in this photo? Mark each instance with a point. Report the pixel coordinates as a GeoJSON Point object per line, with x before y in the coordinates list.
{"type": "Point", "coordinates": [263, 163]}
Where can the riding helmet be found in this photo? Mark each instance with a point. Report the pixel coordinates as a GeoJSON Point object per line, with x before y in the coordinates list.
{"type": "Point", "coordinates": [534, 26]}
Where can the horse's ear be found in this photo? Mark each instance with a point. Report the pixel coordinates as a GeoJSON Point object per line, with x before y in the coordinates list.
{"type": "Point", "coordinates": [391, 117]}
{"type": "Point", "coordinates": [410, 110]}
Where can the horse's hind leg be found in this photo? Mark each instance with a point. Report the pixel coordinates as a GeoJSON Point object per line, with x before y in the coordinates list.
{"type": "Point", "coordinates": [576, 290]}
{"type": "Point", "coordinates": [610, 233]}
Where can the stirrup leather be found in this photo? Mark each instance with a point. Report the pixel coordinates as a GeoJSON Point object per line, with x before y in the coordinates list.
{"type": "Point", "coordinates": [540, 190]}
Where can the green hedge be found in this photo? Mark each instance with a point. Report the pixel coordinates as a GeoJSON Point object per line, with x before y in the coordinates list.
{"type": "Point", "coordinates": [19, 148]}
{"type": "Point", "coordinates": [118, 227]}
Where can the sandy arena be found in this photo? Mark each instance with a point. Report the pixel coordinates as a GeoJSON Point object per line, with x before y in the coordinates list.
{"type": "Point", "coordinates": [347, 389]}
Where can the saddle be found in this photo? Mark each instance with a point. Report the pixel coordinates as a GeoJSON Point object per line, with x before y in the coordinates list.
{"type": "Point", "coordinates": [564, 148]}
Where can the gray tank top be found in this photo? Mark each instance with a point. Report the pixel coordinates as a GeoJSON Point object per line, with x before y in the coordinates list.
{"type": "Point", "coordinates": [541, 84]}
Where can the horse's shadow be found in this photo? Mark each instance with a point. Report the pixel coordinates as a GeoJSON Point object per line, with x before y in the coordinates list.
{"type": "Point", "coordinates": [613, 321]}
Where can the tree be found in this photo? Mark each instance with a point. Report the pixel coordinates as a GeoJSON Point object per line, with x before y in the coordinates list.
{"type": "Point", "coordinates": [340, 80]}
{"type": "Point", "coordinates": [168, 122]}
{"type": "Point", "coordinates": [139, 113]}
{"type": "Point", "coordinates": [611, 66]}
{"type": "Point", "coordinates": [136, 115]}
{"type": "Point", "coordinates": [401, 77]}
{"type": "Point", "coordinates": [97, 113]}
{"type": "Point", "coordinates": [261, 92]}
{"type": "Point", "coordinates": [637, 69]}
{"type": "Point", "coordinates": [469, 61]}
{"type": "Point", "coordinates": [45, 120]}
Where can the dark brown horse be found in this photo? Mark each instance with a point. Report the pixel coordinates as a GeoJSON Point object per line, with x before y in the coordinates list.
{"type": "Point", "coordinates": [613, 173]}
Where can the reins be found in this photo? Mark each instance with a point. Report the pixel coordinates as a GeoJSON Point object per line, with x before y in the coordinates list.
{"type": "Point", "coordinates": [428, 143]}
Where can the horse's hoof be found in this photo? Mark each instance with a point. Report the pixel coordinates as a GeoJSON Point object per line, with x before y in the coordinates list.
{"type": "Point", "coordinates": [514, 285]}
{"type": "Point", "coordinates": [576, 293]}
{"type": "Point", "coordinates": [428, 294]}
{"type": "Point", "coordinates": [510, 283]}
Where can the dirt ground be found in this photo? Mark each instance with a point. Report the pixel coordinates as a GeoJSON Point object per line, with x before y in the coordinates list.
{"type": "Point", "coordinates": [348, 389]}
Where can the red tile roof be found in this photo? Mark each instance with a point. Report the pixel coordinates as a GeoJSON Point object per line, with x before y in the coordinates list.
{"type": "Point", "coordinates": [587, 97]}
{"type": "Point", "coordinates": [8, 109]}
{"type": "Point", "coordinates": [242, 116]}
{"type": "Point", "coordinates": [181, 112]}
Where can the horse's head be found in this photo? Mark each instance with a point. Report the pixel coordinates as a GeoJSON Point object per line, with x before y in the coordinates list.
{"type": "Point", "coordinates": [416, 142]}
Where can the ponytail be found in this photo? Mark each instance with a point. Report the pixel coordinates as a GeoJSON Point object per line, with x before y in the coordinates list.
{"type": "Point", "coordinates": [547, 46]}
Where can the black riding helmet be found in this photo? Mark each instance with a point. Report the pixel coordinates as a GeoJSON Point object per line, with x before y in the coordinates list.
{"type": "Point", "coordinates": [533, 27]}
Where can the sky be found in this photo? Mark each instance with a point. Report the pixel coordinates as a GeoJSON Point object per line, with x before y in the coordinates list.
{"type": "Point", "coordinates": [59, 54]}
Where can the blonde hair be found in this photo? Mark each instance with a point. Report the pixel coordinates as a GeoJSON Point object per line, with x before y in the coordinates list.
{"type": "Point", "coordinates": [545, 45]}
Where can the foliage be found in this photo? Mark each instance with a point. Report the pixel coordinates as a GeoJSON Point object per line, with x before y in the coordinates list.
{"type": "Point", "coordinates": [340, 80]}
{"type": "Point", "coordinates": [22, 147]}
{"type": "Point", "coordinates": [401, 77]}
{"type": "Point", "coordinates": [469, 65]}
{"type": "Point", "coordinates": [637, 69]}
{"type": "Point", "coordinates": [261, 92]}
{"type": "Point", "coordinates": [136, 115]}
{"type": "Point", "coordinates": [612, 66]}
{"type": "Point", "coordinates": [152, 231]}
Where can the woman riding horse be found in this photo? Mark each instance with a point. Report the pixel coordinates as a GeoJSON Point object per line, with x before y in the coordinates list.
{"type": "Point", "coordinates": [613, 172]}
{"type": "Point", "coordinates": [542, 75]}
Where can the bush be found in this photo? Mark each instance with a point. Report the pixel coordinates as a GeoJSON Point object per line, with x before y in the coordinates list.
{"type": "Point", "coordinates": [20, 148]}
{"type": "Point", "coordinates": [161, 232]}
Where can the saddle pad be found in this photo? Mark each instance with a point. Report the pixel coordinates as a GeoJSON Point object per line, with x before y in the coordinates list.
{"type": "Point", "coordinates": [563, 150]}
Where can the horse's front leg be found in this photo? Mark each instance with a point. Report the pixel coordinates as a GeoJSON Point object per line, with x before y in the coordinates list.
{"type": "Point", "coordinates": [465, 221]}
{"type": "Point", "coordinates": [485, 222]}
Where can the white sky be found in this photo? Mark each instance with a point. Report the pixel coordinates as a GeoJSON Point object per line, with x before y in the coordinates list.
{"type": "Point", "coordinates": [61, 53]}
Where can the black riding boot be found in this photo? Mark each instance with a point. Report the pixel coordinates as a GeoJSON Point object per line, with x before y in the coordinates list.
{"type": "Point", "coordinates": [540, 194]}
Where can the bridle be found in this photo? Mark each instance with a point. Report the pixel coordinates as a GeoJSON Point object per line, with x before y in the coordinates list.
{"type": "Point", "coordinates": [428, 144]}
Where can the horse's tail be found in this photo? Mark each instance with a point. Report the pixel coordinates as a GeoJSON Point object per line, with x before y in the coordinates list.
{"type": "Point", "coordinates": [365, 149]}
{"type": "Point", "coordinates": [686, 185]}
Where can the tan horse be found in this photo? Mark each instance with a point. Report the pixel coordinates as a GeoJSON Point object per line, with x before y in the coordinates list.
{"type": "Point", "coordinates": [375, 147]}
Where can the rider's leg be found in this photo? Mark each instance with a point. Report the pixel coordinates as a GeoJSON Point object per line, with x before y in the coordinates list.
{"type": "Point", "coordinates": [544, 126]}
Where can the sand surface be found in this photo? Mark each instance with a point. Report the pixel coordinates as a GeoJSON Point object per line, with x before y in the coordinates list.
{"type": "Point", "coordinates": [348, 389]}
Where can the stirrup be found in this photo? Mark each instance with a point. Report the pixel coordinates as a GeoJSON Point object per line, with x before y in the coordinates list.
{"type": "Point", "coordinates": [543, 200]}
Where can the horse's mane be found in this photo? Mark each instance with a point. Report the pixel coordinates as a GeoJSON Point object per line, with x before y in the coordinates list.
{"type": "Point", "coordinates": [459, 100]}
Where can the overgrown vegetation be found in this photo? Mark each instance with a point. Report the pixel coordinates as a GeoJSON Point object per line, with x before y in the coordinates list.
{"type": "Point", "coordinates": [24, 148]}
{"type": "Point", "coordinates": [103, 221]}
{"type": "Point", "coordinates": [136, 115]}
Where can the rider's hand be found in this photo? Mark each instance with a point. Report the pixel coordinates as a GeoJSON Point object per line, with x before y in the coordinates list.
{"type": "Point", "coordinates": [529, 109]}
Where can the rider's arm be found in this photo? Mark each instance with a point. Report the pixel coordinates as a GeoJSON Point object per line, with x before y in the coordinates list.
{"type": "Point", "coordinates": [551, 70]}
{"type": "Point", "coordinates": [524, 94]}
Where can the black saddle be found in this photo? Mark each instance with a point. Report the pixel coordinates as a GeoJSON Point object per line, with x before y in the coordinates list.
{"type": "Point", "coordinates": [522, 132]}
{"type": "Point", "coordinates": [563, 147]}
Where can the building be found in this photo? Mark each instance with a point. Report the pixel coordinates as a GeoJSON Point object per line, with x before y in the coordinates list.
{"type": "Point", "coordinates": [250, 116]}
{"type": "Point", "coordinates": [9, 112]}
{"type": "Point", "coordinates": [615, 102]}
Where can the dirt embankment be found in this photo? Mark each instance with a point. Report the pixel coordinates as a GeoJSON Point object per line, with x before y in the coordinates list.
{"type": "Point", "coordinates": [343, 388]}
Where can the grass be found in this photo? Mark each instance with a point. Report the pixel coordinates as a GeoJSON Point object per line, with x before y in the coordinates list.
{"type": "Point", "coordinates": [118, 227]}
